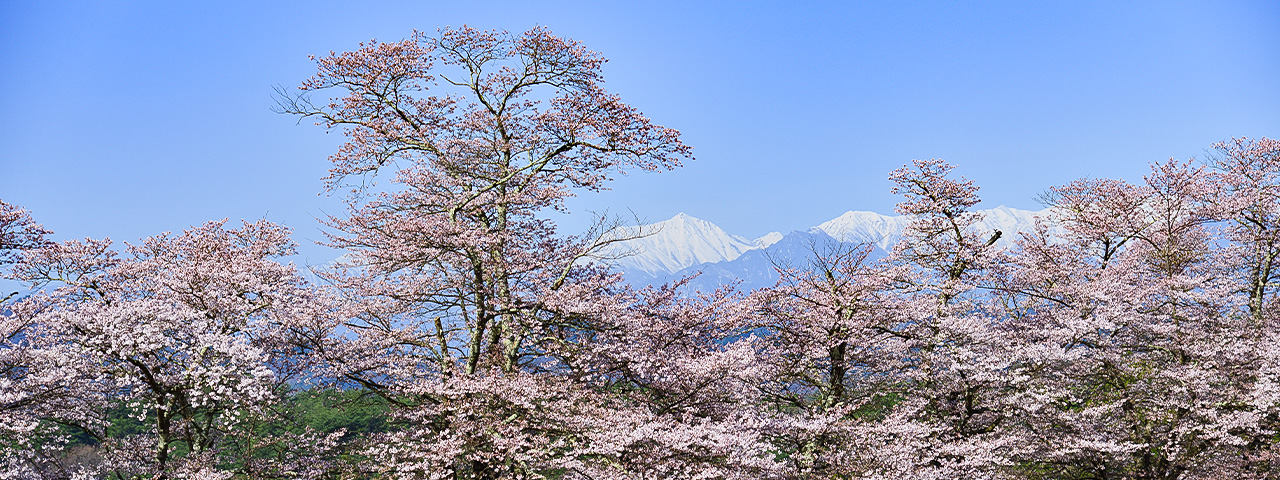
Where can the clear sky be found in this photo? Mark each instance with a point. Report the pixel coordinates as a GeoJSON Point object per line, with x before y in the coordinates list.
{"type": "Point", "coordinates": [125, 119]}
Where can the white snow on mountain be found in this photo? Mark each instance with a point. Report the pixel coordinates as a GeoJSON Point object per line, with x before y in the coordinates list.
{"type": "Point", "coordinates": [766, 240]}
{"type": "Point", "coordinates": [677, 243]}
{"type": "Point", "coordinates": [885, 230]}
{"type": "Point", "coordinates": [871, 227]}
{"type": "Point", "coordinates": [683, 241]}
{"type": "Point", "coordinates": [1011, 222]}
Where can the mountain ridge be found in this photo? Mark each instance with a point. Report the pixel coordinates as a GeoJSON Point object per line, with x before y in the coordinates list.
{"type": "Point", "coordinates": [685, 244]}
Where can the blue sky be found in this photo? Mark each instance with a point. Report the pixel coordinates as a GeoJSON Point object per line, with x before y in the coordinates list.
{"type": "Point", "coordinates": [125, 119]}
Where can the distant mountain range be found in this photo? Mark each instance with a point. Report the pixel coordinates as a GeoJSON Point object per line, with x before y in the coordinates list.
{"type": "Point", "coordinates": [683, 245]}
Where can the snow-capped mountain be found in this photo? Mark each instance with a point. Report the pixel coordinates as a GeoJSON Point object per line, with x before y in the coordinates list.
{"type": "Point", "coordinates": [757, 268]}
{"type": "Point", "coordinates": [675, 244]}
{"type": "Point", "coordinates": [683, 245]}
{"type": "Point", "coordinates": [885, 231]}
{"type": "Point", "coordinates": [865, 227]}
{"type": "Point", "coordinates": [768, 239]}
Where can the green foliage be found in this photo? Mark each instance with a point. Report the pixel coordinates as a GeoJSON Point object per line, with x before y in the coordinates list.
{"type": "Point", "coordinates": [878, 407]}
{"type": "Point", "coordinates": [329, 410]}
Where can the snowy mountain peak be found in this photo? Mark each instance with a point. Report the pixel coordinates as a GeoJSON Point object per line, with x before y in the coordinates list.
{"type": "Point", "coordinates": [768, 239]}
{"type": "Point", "coordinates": [683, 241]}
{"type": "Point", "coordinates": [677, 243]}
{"type": "Point", "coordinates": [885, 231]}
{"type": "Point", "coordinates": [869, 227]}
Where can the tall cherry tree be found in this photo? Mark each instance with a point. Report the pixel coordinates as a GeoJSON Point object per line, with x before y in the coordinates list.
{"type": "Point", "coordinates": [832, 355]}
{"type": "Point", "coordinates": [481, 132]}
{"type": "Point", "coordinates": [466, 292]}
{"type": "Point", "coordinates": [957, 373]}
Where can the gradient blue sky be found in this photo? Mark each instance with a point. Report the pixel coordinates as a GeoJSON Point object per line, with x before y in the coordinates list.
{"type": "Point", "coordinates": [125, 119]}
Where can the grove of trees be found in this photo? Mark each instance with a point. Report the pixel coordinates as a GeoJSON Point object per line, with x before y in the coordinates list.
{"type": "Point", "coordinates": [1134, 335]}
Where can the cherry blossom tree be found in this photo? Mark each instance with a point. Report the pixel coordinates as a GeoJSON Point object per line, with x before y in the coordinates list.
{"type": "Point", "coordinates": [473, 314]}
{"type": "Point", "coordinates": [956, 380]}
{"type": "Point", "coordinates": [896, 369]}
{"type": "Point", "coordinates": [833, 357]}
{"type": "Point", "coordinates": [34, 382]}
{"type": "Point", "coordinates": [681, 370]}
{"type": "Point", "coordinates": [188, 332]}
{"type": "Point", "coordinates": [1136, 359]}
{"type": "Point", "coordinates": [483, 132]}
